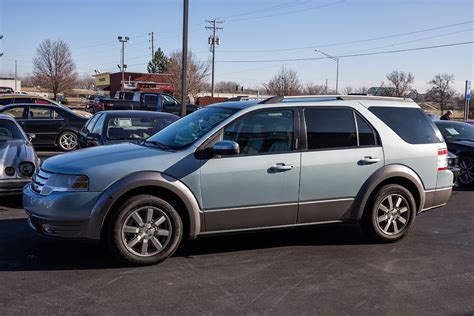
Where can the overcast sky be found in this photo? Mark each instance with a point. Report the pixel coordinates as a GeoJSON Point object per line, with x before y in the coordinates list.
{"type": "Point", "coordinates": [253, 31]}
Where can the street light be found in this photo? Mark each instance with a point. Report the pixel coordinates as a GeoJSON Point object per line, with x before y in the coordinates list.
{"type": "Point", "coordinates": [123, 40]}
{"type": "Point", "coordinates": [336, 59]}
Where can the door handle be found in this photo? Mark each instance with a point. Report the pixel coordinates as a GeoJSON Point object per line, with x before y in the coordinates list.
{"type": "Point", "coordinates": [281, 167]}
{"type": "Point", "coordinates": [368, 160]}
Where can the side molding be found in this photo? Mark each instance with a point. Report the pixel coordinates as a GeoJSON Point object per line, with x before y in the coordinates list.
{"type": "Point", "coordinates": [140, 179]}
{"type": "Point", "coordinates": [384, 173]}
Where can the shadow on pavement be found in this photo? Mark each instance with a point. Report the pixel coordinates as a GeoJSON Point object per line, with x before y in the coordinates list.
{"type": "Point", "coordinates": [23, 250]}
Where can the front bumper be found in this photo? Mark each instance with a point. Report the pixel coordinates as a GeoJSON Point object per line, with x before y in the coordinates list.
{"type": "Point", "coordinates": [456, 171]}
{"type": "Point", "coordinates": [13, 186]}
{"type": "Point", "coordinates": [60, 214]}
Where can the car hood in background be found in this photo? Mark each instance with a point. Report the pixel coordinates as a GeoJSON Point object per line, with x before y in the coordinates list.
{"type": "Point", "coordinates": [468, 143]}
{"type": "Point", "coordinates": [82, 113]}
{"type": "Point", "coordinates": [13, 152]}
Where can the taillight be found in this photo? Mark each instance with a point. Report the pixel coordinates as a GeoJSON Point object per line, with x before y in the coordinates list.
{"type": "Point", "coordinates": [442, 159]}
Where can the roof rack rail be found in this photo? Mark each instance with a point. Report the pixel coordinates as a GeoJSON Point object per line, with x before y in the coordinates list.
{"type": "Point", "coordinates": [321, 98]}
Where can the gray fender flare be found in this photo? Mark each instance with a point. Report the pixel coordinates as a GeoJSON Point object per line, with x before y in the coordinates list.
{"type": "Point", "coordinates": [380, 176]}
{"type": "Point", "coordinates": [140, 179]}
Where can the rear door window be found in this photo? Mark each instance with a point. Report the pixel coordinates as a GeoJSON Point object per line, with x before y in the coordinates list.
{"type": "Point", "coordinates": [16, 112]}
{"type": "Point", "coordinates": [411, 124]}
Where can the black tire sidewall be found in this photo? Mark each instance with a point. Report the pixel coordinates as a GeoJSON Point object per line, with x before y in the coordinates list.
{"type": "Point", "coordinates": [114, 230]}
{"type": "Point", "coordinates": [371, 218]}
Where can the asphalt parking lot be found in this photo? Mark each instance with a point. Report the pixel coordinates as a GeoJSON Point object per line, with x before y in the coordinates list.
{"type": "Point", "coordinates": [324, 269]}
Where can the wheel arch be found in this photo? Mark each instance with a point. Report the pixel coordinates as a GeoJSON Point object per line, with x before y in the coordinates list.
{"type": "Point", "coordinates": [390, 174]}
{"type": "Point", "coordinates": [153, 183]}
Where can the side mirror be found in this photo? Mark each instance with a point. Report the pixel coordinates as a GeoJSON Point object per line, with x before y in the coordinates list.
{"type": "Point", "coordinates": [225, 148]}
{"type": "Point", "coordinates": [31, 136]}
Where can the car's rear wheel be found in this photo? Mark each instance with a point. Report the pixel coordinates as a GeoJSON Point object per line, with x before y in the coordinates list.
{"type": "Point", "coordinates": [144, 230]}
{"type": "Point", "coordinates": [67, 141]}
{"type": "Point", "coordinates": [466, 174]}
{"type": "Point", "coordinates": [390, 214]}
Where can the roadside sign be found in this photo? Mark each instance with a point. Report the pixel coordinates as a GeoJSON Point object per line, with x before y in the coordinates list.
{"type": "Point", "coordinates": [468, 90]}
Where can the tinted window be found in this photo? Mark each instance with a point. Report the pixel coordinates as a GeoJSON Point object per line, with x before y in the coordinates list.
{"type": "Point", "coordinates": [98, 127]}
{"type": "Point", "coordinates": [90, 123]}
{"type": "Point", "coordinates": [9, 130]}
{"type": "Point", "coordinates": [330, 128]}
{"type": "Point", "coordinates": [16, 112]}
{"type": "Point", "coordinates": [411, 124]}
{"type": "Point", "coordinates": [6, 101]}
{"type": "Point", "coordinates": [263, 132]}
{"type": "Point", "coordinates": [366, 133]}
{"type": "Point", "coordinates": [40, 113]}
{"type": "Point", "coordinates": [134, 127]}
{"type": "Point", "coordinates": [456, 130]}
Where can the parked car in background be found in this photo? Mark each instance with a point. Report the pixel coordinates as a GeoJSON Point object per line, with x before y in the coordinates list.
{"type": "Point", "coordinates": [8, 99]}
{"type": "Point", "coordinates": [6, 90]}
{"type": "Point", "coordinates": [91, 101]}
{"type": "Point", "coordinates": [459, 137]}
{"type": "Point", "coordinates": [147, 101]}
{"type": "Point", "coordinates": [453, 165]}
{"type": "Point", "coordinates": [240, 166]}
{"type": "Point", "coordinates": [19, 160]}
{"type": "Point", "coordinates": [112, 127]}
{"type": "Point", "coordinates": [53, 125]}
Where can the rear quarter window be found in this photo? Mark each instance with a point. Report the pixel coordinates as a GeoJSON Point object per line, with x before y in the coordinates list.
{"type": "Point", "coordinates": [411, 124]}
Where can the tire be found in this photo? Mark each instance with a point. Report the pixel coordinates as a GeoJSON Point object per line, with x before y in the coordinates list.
{"type": "Point", "coordinates": [388, 224]}
{"type": "Point", "coordinates": [67, 141]}
{"type": "Point", "coordinates": [466, 175]}
{"type": "Point", "coordinates": [148, 239]}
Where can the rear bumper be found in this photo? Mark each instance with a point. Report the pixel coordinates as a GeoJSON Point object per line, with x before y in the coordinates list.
{"type": "Point", "coordinates": [436, 198]}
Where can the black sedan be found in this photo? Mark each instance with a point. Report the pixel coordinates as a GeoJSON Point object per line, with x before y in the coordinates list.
{"type": "Point", "coordinates": [19, 159]}
{"type": "Point", "coordinates": [459, 137]}
{"type": "Point", "coordinates": [53, 125]}
{"type": "Point", "coordinates": [111, 127]}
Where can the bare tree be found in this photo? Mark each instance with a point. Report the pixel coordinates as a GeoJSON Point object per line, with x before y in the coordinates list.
{"type": "Point", "coordinates": [441, 91]}
{"type": "Point", "coordinates": [314, 89]}
{"type": "Point", "coordinates": [401, 82]}
{"type": "Point", "coordinates": [198, 72]}
{"type": "Point", "coordinates": [348, 90]}
{"type": "Point", "coordinates": [226, 86]}
{"type": "Point", "coordinates": [53, 66]}
{"type": "Point", "coordinates": [361, 90]}
{"type": "Point", "coordinates": [85, 82]}
{"type": "Point", "coordinates": [286, 82]}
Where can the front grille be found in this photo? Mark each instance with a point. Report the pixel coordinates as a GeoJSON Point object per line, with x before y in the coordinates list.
{"type": "Point", "coordinates": [39, 179]}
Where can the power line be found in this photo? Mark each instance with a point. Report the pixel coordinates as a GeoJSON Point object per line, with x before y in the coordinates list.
{"type": "Point", "coordinates": [350, 42]}
{"type": "Point", "coordinates": [270, 8]}
{"type": "Point", "coordinates": [348, 55]}
{"type": "Point", "coordinates": [214, 41]}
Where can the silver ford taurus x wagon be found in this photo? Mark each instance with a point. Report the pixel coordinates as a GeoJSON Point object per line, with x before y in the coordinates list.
{"type": "Point", "coordinates": [240, 166]}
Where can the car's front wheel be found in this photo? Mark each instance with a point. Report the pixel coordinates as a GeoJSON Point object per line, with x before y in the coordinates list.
{"type": "Point", "coordinates": [67, 141]}
{"type": "Point", "coordinates": [466, 174]}
{"type": "Point", "coordinates": [390, 214]}
{"type": "Point", "coordinates": [144, 230]}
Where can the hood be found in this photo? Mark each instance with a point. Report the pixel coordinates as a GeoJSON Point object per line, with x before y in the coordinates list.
{"type": "Point", "coordinates": [467, 143]}
{"type": "Point", "coordinates": [105, 164]}
{"type": "Point", "coordinates": [13, 152]}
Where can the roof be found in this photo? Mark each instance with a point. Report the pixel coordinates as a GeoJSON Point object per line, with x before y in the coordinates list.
{"type": "Point", "coordinates": [154, 78]}
{"type": "Point", "coordinates": [135, 113]}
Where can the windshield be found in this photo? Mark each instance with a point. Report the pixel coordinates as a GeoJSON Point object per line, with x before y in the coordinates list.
{"type": "Point", "coordinates": [121, 128]}
{"type": "Point", "coordinates": [9, 131]}
{"type": "Point", "coordinates": [453, 132]}
{"type": "Point", "coordinates": [190, 128]}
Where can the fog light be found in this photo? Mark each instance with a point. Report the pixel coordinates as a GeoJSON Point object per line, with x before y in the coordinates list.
{"type": "Point", "coordinates": [10, 171]}
{"type": "Point", "coordinates": [47, 228]}
{"type": "Point", "coordinates": [27, 169]}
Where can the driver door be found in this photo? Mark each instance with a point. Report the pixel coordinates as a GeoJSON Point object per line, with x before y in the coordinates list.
{"type": "Point", "coordinates": [258, 187]}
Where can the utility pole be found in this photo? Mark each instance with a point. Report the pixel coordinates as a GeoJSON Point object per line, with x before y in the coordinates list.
{"type": "Point", "coordinates": [123, 40]}
{"type": "Point", "coordinates": [1, 37]}
{"type": "Point", "coordinates": [326, 89]}
{"type": "Point", "coordinates": [213, 41]}
{"type": "Point", "coordinates": [336, 59]}
{"type": "Point", "coordinates": [16, 75]}
{"type": "Point", "coordinates": [184, 60]}
{"type": "Point", "coordinates": [152, 34]}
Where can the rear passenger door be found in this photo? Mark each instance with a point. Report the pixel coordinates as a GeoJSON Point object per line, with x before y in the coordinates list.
{"type": "Point", "coordinates": [340, 152]}
{"type": "Point", "coordinates": [45, 122]}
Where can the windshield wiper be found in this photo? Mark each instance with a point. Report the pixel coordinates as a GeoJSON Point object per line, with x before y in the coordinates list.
{"type": "Point", "coordinates": [156, 143]}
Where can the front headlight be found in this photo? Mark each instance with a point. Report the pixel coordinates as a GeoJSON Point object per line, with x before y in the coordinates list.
{"type": "Point", "coordinates": [65, 183]}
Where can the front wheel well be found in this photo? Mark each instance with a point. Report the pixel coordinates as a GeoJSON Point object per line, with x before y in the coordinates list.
{"type": "Point", "coordinates": [404, 182]}
{"type": "Point", "coordinates": [160, 192]}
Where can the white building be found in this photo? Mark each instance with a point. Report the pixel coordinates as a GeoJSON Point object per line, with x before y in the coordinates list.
{"type": "Point", "coordinates": [10, 83]}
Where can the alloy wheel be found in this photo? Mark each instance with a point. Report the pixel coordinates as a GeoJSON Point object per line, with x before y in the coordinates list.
{"type": "Point", "coordinates": [466, 175]}
{"type": "Point", "coordinates": [393, 214]}
{"type": "Point", "coordinates": [68, 141]}
{"type": "Point", "coordinates": [146, 231]}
